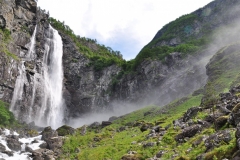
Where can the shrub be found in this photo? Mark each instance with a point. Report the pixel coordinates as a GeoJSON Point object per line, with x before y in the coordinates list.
{"type": "Point", "coordinates": [6, 117]}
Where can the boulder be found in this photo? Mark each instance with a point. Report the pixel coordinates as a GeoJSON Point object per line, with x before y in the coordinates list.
{"type": "Point", "coordinates": [48, 132]}
{"type": "Point", "coordinates": [43, 154]}
{"type": "Point", "coordinates": [13, 143]}
{"type": "Point", "coordinates": [130, 157]}
{"type": "Point", "coordinates": [237, 133]}
{"type": "Point", "coordinates": [226, 96]}
{"type": "Point", "coordinates": [83, 130]}
{"type": "Point", "coordinates": [235, 89]}
{"type": "Point", "coordinates": [9, 153]}
{"type": "Point", "coordinates": [28, 149]}
{"type": "Point", "coordinates": [2, 147]}
{"type": "Point", "coordinates": [221, 121]}
{"type": "Point", "coordinates": [43, 145]}
{"type": "Point", "coordinates": [65, 130]}
{"type": "Point", "coordinates": [215, 140]}
{"type": "Point", "coordinates": [112, 118]}
{"type": "Point", "coordinates": [160, 154]}
{"type": "Point", "coordinates": [122, 128]}
{"type": "Point", "coordinates": [55, 143]}
{"type": "Point", "coordinates": [94, 125]}
{"type": "Point", "coordinates": [106, 123]}
{"type": "Point", "coordinates": [191, 112]}
{"type": "Point", "coordinates": [188, 132]}
{"type": "Point", "coordinates": [149, 144]}
{"type": "Point", "coordinates": [144, 127]}
{"type": "Point", "coordinates": [234, 117]}
{"type": "Point", "coordinates": [236, 155]}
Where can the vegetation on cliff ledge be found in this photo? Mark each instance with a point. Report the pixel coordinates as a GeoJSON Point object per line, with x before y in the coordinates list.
{"type": "Point", "coordinates": [6, 117]}
{"type": "Point", "coordinates": [100, 55]}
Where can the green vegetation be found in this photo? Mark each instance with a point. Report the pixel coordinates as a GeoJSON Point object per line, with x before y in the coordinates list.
{"type": "Point", "coordinates": [179, 30]}
{"type": "Point", "coordinates": [223, 72]}
{"type": "Point", "coordinates": [100, 55]}
{"type": "Point", "coordinates": [124, 135]}
{"type": "Point", "coordinates": [6, 117]}
{"type": "Point", "coordinates": [112, 143]}
{"type": "Point", "coordinates": [5, 38]}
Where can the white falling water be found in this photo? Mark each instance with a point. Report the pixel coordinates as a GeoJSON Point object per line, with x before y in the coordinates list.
{"type": "Point", "coordinates": [31, 46]}
{"type": "Point", "coordinates": [48, 109]}
{"type": "Point", "coordinates": [18, 91]}
{"type": "Point", "coordinates": [51, 111]}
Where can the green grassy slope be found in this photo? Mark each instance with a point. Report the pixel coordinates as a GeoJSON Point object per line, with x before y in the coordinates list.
{"type": "Point", "coordinates": [127, 132]}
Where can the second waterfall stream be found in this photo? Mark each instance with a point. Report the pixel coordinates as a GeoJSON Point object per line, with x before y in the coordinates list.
{"type": "Point", "coordinates": [45, 105]}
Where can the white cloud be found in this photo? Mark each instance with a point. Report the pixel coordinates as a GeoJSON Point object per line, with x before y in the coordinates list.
{"type": "Point", "coordinates": [124, 25]}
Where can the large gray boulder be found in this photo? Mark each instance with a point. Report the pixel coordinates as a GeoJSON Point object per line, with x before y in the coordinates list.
{"type": "Point", "coordinates": [48, 133]}
{"type": "Point", "coordinates": [13, 143]}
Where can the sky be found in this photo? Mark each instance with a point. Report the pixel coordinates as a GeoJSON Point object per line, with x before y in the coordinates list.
{"type": "Point", "coordinates": [124, 25]}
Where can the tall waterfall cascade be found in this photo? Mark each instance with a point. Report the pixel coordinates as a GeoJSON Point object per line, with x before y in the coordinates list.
{"type": "Point", "coordinates": [38, 89]}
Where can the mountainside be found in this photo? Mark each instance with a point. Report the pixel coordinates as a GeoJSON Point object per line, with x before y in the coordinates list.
{"type": "Point", "coordinates": [188, 75]}
{"type": "Point", "coordinates": [96, 78]}
{"type": "Point", "coordinates": [203, 126]}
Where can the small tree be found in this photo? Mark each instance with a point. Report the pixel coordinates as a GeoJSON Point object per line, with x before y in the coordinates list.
{"type": "Point", "coordinates": [210, 99]}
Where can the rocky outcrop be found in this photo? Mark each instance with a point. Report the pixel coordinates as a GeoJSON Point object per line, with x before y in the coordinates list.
{"type": "Point", "coordinates": [65, 130]}
{"type": "Point", "coordinates": [48, 133]}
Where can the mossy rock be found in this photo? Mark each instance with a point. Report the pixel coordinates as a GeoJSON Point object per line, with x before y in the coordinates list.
{"type": "Point", "coordinates": [144, 127]}
{"type": "Point", "coordinates": [130, 157]}
{"type": "Point", "coordinates": [183, 158]}
{"type": "Point", "coordinates": [32, 133]}
{"type": "Point", "coordinates": [159, 122]}
{"type": "Point", "coordinates": [221, 121]}
{"type": "Point", "coordinates": [65, 130]}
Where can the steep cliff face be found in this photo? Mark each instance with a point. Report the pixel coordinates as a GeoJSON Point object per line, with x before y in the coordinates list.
{"type": "Point", "coordinates": [154, 82]}
{"type": "Point", "coordinates": [17, 19]}
{"type": "Point", "coordinates": [86, 89]}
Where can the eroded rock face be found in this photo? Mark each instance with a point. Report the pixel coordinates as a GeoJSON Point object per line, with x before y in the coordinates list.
{"type": "Point", "coordinates": [88, 90]}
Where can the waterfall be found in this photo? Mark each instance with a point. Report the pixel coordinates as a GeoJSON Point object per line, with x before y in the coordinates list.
{"type": "Point", "coordinates": [51, 111]}
{"type": "Point", "coordinates": [38, 96]}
